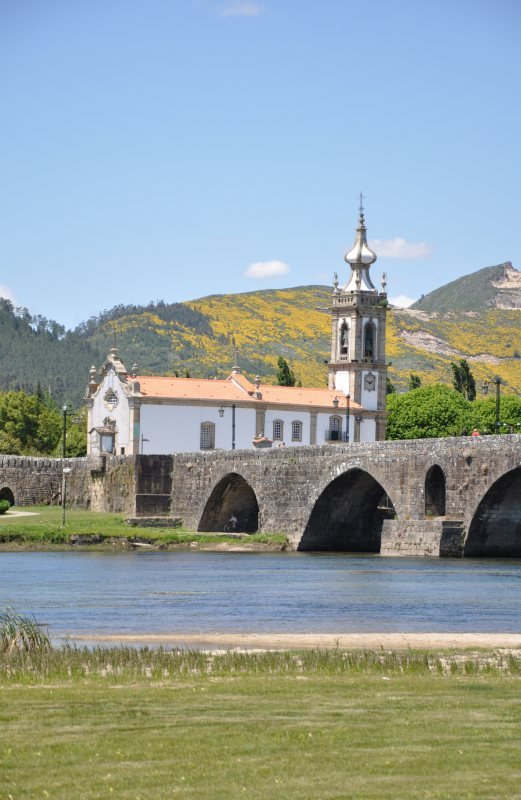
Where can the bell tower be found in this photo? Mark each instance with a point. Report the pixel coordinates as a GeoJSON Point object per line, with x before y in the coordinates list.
{"type": "Point", "coordinates": [357, 366]}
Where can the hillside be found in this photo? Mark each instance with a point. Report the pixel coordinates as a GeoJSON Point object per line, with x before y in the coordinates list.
{"type": "Point", "coordinates": [491, 287]}
{"type": "Point", "coordinates": [202, 337]}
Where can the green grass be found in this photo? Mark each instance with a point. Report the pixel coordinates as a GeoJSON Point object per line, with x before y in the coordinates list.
{"type": "Point", "coordinates": [142, 724]}
{"type": "Point", "coordinates": [46, 529]}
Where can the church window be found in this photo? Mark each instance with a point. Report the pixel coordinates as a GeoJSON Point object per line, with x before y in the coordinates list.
{"type": "Point", "coordinates": [344, 339]}
{"type": "Point", "coordinates": [369, 340]}
{"type": "Point", "coordinates": [207, 436]}
{"type": "Point", "coordinates": [335, 429]}
{"type": "Point", "coordinates": [296, 431]}
{"type": "Point", "coordinates": [278, 430]}
{"type": "Point", "coordinates": [107, 442]}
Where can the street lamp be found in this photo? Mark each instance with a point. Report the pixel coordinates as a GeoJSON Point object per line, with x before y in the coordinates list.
{"type": "Point", "coordinates": [221, 414]}
{"type": "Point", "coordinates": [64, 409]}
{"type": "Point", "coordinates": [66, 473]}
{"type": "Point", "coordinates": [143, 440]}
{"type": "Point", "coordinates": [497, 384]}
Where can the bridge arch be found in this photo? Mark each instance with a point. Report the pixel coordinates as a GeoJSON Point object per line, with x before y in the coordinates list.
{"type": "Point", "coordinates": [435, 492]}
{"type": "Point", "coordinates": [348, 515]}
{"type": "Point", "coordinates": [231, 497]}
{"type": "Point", "coordinates": [7, 494]}
{"type": "Point", "coordinates": [495, 528]}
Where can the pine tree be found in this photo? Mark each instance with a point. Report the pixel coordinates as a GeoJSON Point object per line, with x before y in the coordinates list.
{"type": "Point", "coordinates": [285, 376]}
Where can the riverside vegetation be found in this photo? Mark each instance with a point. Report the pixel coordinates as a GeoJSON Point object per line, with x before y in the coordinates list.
{"type": "Point", "coordinates": [135, 724]}
{"type": "Point", "coordinates": [43, 528]}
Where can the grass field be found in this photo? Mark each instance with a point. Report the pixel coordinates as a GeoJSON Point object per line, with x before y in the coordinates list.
{"type": "Point", "coordinates": [322, 724]}
{"type": "Point", "coordinates": [45, 528]}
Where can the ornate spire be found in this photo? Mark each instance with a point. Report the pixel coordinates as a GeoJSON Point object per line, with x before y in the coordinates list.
{"type": "Point", "coordinates": [360, 253]}
{"type": "Point", "coordinates": [360, 258]}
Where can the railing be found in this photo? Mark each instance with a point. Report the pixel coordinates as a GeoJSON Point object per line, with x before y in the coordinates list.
{"type": "Point", "coordinates": [336, 436]}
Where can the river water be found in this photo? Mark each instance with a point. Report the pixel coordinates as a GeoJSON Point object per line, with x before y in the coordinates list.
{"type": "Point", "coordinates": [186, 592]}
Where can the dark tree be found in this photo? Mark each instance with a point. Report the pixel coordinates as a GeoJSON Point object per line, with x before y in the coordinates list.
{"type": "Point", "coordinates": [285, 376]}
{"type": "Point", "coordinates": [463, 380]}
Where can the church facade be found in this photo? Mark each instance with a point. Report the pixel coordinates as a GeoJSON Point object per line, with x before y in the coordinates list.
{"type": "Point", "coordinates": [130, 414]}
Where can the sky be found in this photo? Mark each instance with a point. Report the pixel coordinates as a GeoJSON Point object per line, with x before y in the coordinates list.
{"type": "Point", "coordinates": [171, 149]}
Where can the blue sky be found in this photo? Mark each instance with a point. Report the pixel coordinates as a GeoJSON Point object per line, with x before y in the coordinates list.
{"type": "Point", "coordinates": [169, 149]}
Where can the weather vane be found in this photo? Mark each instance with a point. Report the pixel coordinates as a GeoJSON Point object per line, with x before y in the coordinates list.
{"type": "Point", "coordinates": [362, 198]}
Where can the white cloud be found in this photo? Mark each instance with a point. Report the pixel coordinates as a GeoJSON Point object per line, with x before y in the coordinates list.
{"type": "Point", "coordinates": [6, 292]}
{"type": "Point", "coordinates": [266, 269]}
{"type": "Point", "coordinates": [402, 301]}
{"type": "Point", "coordinates": [242, 9]}
{"type": "Point", "coordinates": [400, 248]}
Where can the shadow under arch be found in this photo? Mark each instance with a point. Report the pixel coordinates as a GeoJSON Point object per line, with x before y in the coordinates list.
{"type": "Point", "coordinates": [495, 530]}
{"type": "Point", "coordinates": [231, 497]}
{"type": "Point", "coordinates": [435, 492]}
{"type": "Point", "coordinates": [348, 516]}
{"type": "Point", "coordinates": [6, 494]}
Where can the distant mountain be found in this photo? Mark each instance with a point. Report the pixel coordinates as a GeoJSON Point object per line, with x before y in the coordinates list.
{"type": "Point", "coordinates": [474, 317]}
{"type": "Point", "coordinates": [491, 287]}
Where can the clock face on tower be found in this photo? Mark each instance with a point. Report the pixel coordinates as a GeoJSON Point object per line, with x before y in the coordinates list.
{"type": "Point", "coordinates": [370, 382]}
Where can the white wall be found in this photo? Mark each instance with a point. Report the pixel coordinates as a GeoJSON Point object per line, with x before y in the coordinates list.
{"type": "Point", "coordinates": [287, 417]}
{"type": "Point", "coordinates": [368, 430]}
{"type": "Point", "coordinates": [177, 428]}
{"type": "Point", "coordinates": [342, 383]}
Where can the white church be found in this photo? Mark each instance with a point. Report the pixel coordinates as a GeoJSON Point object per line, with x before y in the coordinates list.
{"type": "Point", "coordinates": [130, 413]}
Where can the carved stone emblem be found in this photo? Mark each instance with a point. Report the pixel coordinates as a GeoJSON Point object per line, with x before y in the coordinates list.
{"type": "Point", "coordinates": [110, 400]}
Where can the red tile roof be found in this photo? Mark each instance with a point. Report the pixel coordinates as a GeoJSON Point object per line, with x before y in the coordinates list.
{"type": "Point", "coordinates": [237, 388]}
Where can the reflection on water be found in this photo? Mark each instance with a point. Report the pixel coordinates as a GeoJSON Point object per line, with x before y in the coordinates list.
{"type": "Point", "coordinates": [186, 592]}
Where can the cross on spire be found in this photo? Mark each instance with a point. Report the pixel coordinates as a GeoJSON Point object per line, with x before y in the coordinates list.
{"type": "Point", "coordinates": [362, 198]}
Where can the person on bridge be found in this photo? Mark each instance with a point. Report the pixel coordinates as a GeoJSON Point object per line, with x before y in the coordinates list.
{"type": "Point", "coordinates": [475, 432]}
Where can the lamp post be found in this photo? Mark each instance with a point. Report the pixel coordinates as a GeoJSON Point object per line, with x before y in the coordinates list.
{"type": "Point", "coordinates": [497, 384]}
{"type": "Point", "coordinates": [64, 409]}
{"type": "Point", "coordinates": [221, 414]}
{"type": "Point", "coordinates": [66, 472]}
{"type": "Point", "coordinates": [143, 440]}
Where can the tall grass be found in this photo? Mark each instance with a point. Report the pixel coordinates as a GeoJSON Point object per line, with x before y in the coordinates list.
{"type": "Point", "coordinates": [127, 664]}
{"type": "Point", "coordinates": [22, 635]}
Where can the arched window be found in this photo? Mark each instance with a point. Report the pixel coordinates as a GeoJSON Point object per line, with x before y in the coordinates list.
{"type": "Point", "coordinates": [207, 436]}
{"type": "Point", "coordinates": [344, 339]}
{"type": "Point", "coordinates": [278, 430]}
{"type": "Point", "coordinates": [296, 431]}
{"type": "Point", "coordinates": [369, 340]}
{"type": "Point", "coordinates": [335, 429]}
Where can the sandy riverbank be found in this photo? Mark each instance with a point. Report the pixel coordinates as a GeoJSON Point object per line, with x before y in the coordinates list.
{"type": "Point", "coordinates": [299, 641]}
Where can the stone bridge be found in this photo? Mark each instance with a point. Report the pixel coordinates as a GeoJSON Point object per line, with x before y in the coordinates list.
{"type": "Point", "coordinates": [428, 497]}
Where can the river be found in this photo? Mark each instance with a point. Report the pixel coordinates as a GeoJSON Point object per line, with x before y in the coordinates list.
{"type": "Point", "coordinates": [95, 593]}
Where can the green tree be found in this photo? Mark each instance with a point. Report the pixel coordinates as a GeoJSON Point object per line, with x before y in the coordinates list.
{"type": "Point", "coordinates": [414, 381]}
{"type": "Point", "coordinates": [390, 388]}
{"type": "Point", "coordinates": [28, 426]}
{"type": "Point", "coordinates": [428, 412]}
{"type": "Point", "coordinates": [463, 379]}
{"type": "Point", "coordinates": [285, 376]}
{"type": "Point", "coordinates": [484, 414]}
